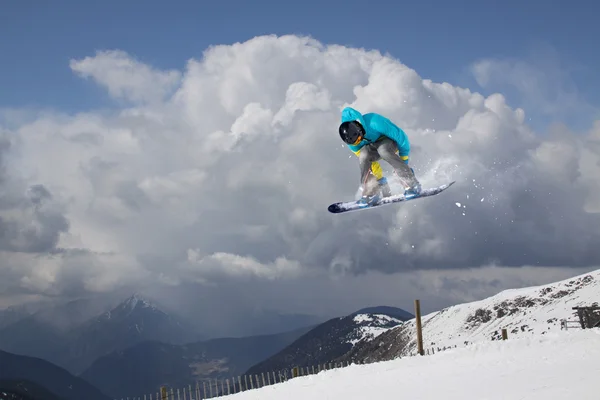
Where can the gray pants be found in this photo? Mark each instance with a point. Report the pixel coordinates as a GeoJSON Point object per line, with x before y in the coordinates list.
{"type": "Point", "coordinates": [385, 149]}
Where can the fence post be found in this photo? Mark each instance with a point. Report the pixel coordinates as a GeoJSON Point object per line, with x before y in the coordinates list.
{"type": "Point", "coordinates": [504, 334]}
{"type": "Point", "coordinates": [419, 327]}
{"type": "Point", "coordinates": [163, 393]}
{"type": "Point", "coordinates": [295, 372]}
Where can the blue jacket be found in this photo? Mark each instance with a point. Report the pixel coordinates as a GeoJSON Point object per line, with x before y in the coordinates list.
{"type": "Point", "coordinates": [377, 125]}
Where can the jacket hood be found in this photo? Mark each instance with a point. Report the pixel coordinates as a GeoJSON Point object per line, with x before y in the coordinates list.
{"type": "Point", "coordinates": [350, 114]}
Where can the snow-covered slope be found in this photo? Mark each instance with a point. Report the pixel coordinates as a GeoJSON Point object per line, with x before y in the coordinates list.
{"type": "Point", "coordinates": [369, 326]}
{"type": "Point", "coordinates": [526, 311]}
{"type": "Point", "coordinates": [558, 365]}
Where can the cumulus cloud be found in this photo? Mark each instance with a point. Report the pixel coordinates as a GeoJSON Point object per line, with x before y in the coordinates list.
{"type": "Point", "coordinates": [126, 78]}
{"type": "Point", "coordinates": [222, 172]}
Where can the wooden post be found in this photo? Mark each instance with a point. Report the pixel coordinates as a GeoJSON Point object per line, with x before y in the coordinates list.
{"type": "Point", "coordinates": [419, 327]}
{"type": "Point", "coordinates": [163, 393]}
{"type": "Point", "coordinates": [504, 334]}
{"type": "Point", "coordinates": [295, 372]}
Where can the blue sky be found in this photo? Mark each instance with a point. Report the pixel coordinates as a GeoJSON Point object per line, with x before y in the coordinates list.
{"type": "Point", "coordinates": [439, 39]}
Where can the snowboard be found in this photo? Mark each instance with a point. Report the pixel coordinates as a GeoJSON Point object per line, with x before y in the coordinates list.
{"type": "Point", "coordinates": [346, 206]}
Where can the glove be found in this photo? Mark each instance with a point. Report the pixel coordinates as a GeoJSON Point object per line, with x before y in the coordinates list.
{"type": "Point", "coordinates": [404, 158]}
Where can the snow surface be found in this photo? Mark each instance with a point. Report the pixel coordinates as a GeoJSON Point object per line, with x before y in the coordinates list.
{"type": "Point", "coordinates": [536, 310]}
{"type": "Point", "coordinates": [135, 300]}
{"type": "Point", "coordinates": [377, 318]}
{"type": "Point", "coordinates": [372, 325]}
{"type": "Point", "coordinates": [557, 365]}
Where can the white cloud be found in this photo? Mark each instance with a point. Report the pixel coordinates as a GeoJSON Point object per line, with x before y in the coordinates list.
{"type": "Point", "coordinates": [126, 78]}
{"type": "Point", "coordinates": [238, 156]}
{"type": "Point", "coordinates": [302, 96]}
{"type": "Point", "coordinates": [232, 265]}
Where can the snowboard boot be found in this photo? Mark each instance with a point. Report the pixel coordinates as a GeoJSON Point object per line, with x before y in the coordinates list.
{"type": "Point", "coordinates": [384, 187]}
{"type": "Point", "coordinates": [370, 200]}
{"type": "Point", "coordinates": [414, 190]}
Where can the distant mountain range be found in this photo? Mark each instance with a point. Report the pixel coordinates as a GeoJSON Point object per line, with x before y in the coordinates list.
{"type": "Point", "coordinates": [37, 377]}
{"type": "Point", "coordinates": [74, 344]}
{"type": "Point", "coordinates": [75, 334]}
{"type": "Point", "coordinates": [143, 368]}
{"type": "Point", "coordinates": [131, 322]}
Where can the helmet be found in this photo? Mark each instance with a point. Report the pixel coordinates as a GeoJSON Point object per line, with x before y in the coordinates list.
{"type": "Point", "coordinates": [351, 132]}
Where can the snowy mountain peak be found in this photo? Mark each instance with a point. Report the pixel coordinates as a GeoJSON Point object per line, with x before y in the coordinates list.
{"type": "Point", "coordinates": [375, 319]}
{"type": "Point", "coordinates": [369, 326]}
{"type": "Point", "coordinates": [132, 304]}
{"type": "Point", "coordinates": [136, 300]}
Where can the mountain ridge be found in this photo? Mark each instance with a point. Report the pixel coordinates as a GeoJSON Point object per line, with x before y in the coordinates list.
{"type": "Point", "coordinates": [331, 339]}
{"type": "Point", "coordinates": [532, 310]}
{"type": "Point", "coordinates": [48, 376]}
{"type": "Point", "coordinates": [142, 368]}
{"type": "Point", "coordinates": [75, 342]}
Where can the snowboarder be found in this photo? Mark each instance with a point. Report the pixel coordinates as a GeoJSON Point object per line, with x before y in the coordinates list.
{"type": "Point", "coordinates": [373, 137]}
